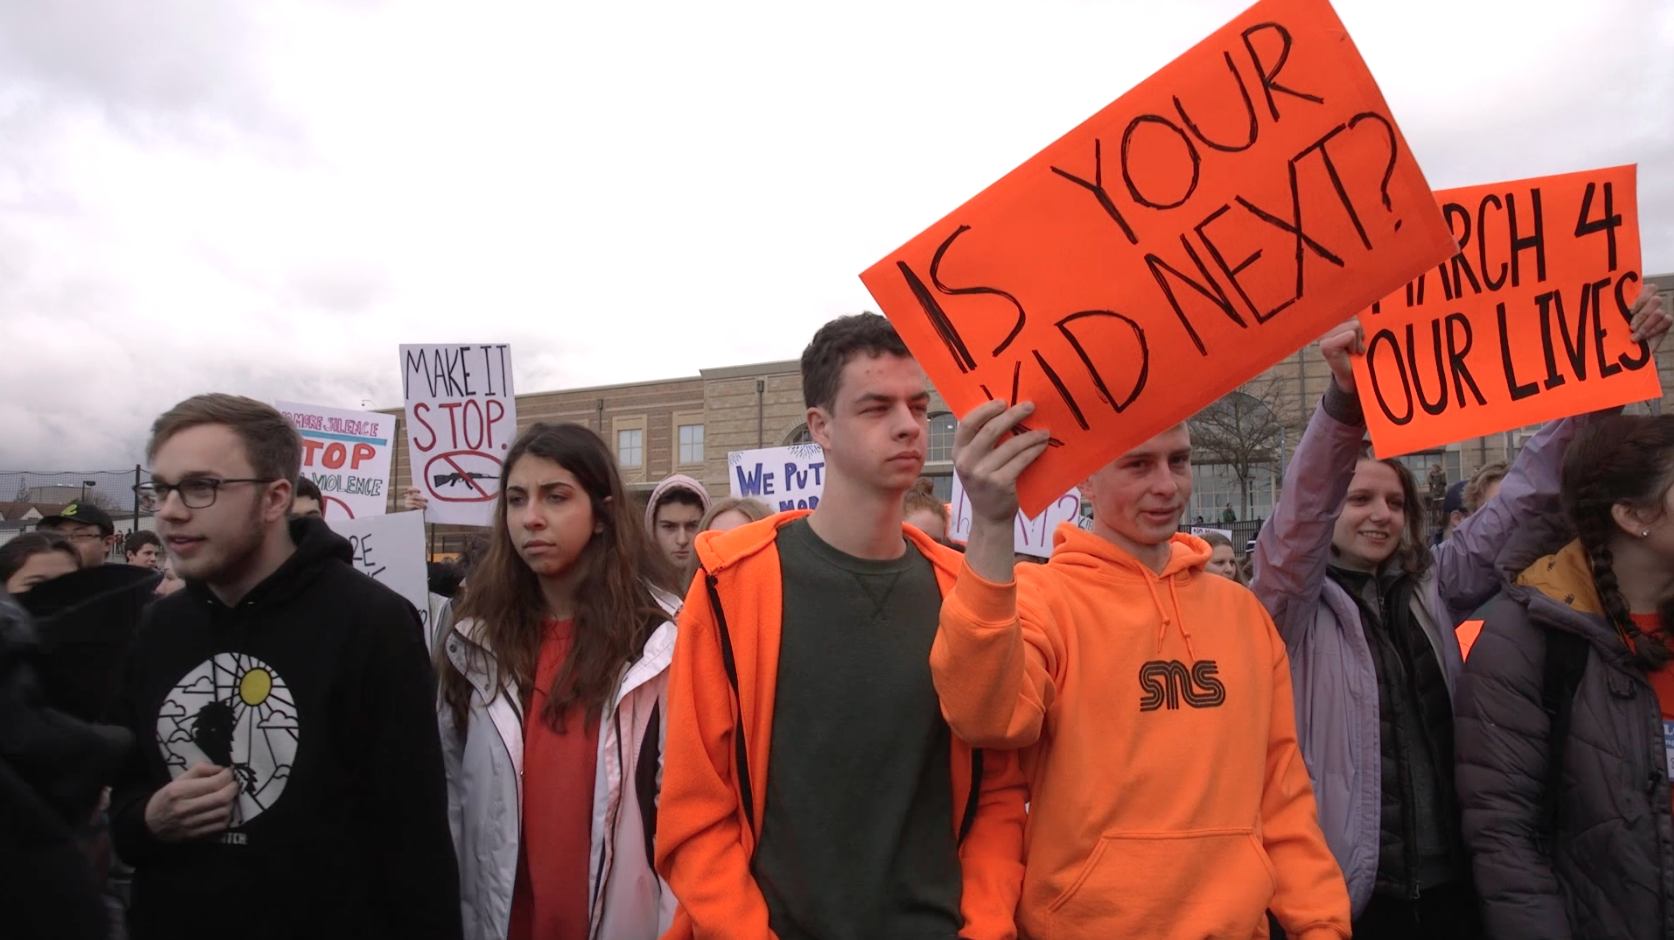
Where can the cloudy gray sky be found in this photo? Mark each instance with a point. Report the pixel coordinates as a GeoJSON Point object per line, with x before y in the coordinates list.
{"type": "Point", "coordinates": [268, 196]}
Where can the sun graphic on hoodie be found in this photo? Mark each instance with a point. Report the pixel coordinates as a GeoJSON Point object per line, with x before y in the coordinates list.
{"type": "Point", "coordinates": [233, 711]}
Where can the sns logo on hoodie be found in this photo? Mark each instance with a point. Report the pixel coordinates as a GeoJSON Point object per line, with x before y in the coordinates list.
{"type": "Point", "coordinates": [1166, 682]}
{"type": "Point", "coordinates": [232, 711]}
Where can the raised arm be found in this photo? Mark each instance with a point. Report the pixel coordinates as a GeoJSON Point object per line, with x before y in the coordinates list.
{"type": "Point", "coordinates": [994, 675]}
{"type": "Point", "coordinates": [1293, 549]}
{"type": "Point", "coordinates": [1466, 574]}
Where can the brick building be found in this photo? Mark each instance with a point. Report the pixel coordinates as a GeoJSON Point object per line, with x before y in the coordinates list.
{"type": "Point", "coordinates": [689, 424]}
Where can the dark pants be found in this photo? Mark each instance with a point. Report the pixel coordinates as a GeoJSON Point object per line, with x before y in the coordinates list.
{"type": "Point", "coordinates": [1445, 912]}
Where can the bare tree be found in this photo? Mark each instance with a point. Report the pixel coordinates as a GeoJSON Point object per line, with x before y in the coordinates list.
{"type": "Point", "coordinates": [1242, 431]}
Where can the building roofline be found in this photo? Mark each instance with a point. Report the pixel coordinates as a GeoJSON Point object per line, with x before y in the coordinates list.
{"type": "Point", "coordinates": [1662, 281]}
{"type": "Point", "coordinates": [759, 368]}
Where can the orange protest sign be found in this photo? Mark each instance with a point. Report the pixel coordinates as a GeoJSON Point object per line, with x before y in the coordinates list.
{"type": "Point", "coordinates": [1208, 223]}
{"type": "Point", "coordinates": [1526, 323]}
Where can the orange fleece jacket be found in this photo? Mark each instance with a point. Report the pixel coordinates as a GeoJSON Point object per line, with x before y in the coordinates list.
{"type": "Point", "coordinates": [1169, 795]}
{"type": "Point", "coordinates": [705, 838]}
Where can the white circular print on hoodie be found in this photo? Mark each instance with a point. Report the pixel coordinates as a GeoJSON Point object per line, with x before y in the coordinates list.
{"type": "Point", "coordinates": [232, 711]}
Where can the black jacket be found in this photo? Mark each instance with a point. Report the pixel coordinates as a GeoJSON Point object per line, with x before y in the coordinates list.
{"type": "Point", "coordinates": [317, 692]}
{"type": "Point", "coordinates": [1598, 861]}
{"type": "Point", "coordinates": [52, 770]}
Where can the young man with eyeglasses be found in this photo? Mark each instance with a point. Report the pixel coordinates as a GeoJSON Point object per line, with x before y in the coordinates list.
{"type": "Point", "coordinates": [89, 528]}
{"type": "Point", "coordinates": [289, 779]}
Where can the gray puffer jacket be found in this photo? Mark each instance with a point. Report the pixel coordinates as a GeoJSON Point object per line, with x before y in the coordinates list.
{"type": "Point", "coordinates": [1608, 870]}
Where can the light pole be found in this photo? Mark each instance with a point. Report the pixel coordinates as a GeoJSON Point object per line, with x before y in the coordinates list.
{"type": "Point", "coordinates": [84, 485]}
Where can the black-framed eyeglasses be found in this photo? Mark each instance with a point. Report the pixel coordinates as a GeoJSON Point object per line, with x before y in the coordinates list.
{"type": "Point", "coordinates": [195, 492]}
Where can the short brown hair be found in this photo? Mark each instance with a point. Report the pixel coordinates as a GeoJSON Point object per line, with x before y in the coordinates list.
{"type": "Point", "coordinates": [1485, 477]}
{"type": "Point", "coordinates": [835, 344]}
{"type": "Point", "coordinates": [271, 442]}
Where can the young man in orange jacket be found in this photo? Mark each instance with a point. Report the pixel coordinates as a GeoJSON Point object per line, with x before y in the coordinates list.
{"type": "Point", "coordinates": [1169, 795]}
{"type": "Point", "coordinates": [811, 786]}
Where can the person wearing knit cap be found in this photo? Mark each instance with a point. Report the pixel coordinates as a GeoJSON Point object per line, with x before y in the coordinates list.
{"type": "Point", "coordinates": [672, 515]}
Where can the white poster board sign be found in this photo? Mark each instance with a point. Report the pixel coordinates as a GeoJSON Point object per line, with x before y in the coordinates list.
{"type": "Point", "coordinates": [784, 478]}
{"type": "Point", "coordinates": [461, 420]}
{"type": "Point", "coordinates": [1202, 530]}
{"type": "Point", "coordinates": [347, 454]}
{"type": "Point", "coordinates": [1030, 536]}
{"type": "Point", "coordinates": [390, 549]}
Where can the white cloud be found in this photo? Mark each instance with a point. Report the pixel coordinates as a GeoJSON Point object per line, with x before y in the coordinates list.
{"type": "Point", "coordinates": [270, 197]}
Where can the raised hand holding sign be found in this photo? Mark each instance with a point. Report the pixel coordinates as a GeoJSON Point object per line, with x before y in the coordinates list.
{"type": "Point", "coordinates": [1207, 224]}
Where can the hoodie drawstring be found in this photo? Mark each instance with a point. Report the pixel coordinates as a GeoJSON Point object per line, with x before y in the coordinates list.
{"type": "Point", "coordinates": [1162, 628]}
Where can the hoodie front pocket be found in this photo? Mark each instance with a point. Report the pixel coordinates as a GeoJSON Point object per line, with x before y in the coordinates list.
{"type": "Point", "coordinates": [1202, 884]}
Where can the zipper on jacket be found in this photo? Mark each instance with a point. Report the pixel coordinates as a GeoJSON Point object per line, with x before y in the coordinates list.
{"type": "Point", "coordinates": [731, 666]}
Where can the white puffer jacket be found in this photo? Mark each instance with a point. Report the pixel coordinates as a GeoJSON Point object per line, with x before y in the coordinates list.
{"type": "Point", "coordinates": [485, 792]}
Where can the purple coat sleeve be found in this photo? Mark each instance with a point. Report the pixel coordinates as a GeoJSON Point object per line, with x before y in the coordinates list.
{"type": "Point", "coordinates": [1466, 574]}
{"type": "Point", "coordinates": [1293, 549]}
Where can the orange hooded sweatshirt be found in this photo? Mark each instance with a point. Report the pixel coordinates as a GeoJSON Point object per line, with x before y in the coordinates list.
{"type": "Point", "coordinates": [710, 812]}
{"type": "Point", "coordinates": [1169, 796]}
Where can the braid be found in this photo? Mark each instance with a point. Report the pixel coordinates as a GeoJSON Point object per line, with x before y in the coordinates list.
{"type": "Point", "coordinates": [1649, 652]}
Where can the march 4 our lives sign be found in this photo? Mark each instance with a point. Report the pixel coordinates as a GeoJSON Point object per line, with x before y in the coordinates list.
{"type": "Point", "coordinates": [1213, 220]}
{"type": "Point", "coordinates": [461, 420]}
{"type": "Point", "coordinates": [1528, 322]}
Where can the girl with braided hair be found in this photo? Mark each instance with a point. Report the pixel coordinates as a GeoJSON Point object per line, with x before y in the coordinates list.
{"type": "Point", "coordinates": [1566, 708]}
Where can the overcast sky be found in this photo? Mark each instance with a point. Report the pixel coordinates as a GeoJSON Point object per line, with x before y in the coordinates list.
{"type": "Point", "coordinates": [268, 197]}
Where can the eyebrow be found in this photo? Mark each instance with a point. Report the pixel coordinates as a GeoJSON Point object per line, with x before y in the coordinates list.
{"type": "Point", "coordinates": [189, 475]}
{"type": "Point", "coordinates": [543, 487]}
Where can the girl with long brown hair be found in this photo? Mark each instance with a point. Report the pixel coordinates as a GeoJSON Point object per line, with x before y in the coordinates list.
{"type": "Point", "coordinates": [1566, 708]}
{"type": "Point", "coordinates": [553, 681]}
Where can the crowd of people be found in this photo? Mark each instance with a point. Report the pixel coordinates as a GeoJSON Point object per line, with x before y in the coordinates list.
{"type": "Point", "coordinates": [702, 719]}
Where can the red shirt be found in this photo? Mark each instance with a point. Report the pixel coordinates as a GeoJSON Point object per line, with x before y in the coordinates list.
{"type": "Point", "coordinates": [550, 900]}
{"type": "Point", "coordinates": [1662, 682]}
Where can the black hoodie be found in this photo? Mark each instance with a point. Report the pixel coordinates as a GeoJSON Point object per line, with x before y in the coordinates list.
{"type": "Point", "coordinates": [316, 690]}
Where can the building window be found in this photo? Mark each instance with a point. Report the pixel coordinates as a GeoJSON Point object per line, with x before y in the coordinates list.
{"type": "Point", "coordinates": [942, 427]}
{"type": "Point", "coordinates": [1215, 486]}
{"type": "Point", "coordinates": [691, 443]}
{"type": "Point", "coordinates": [630, 447]}
{"type": "Point", "coordinates": [1421, 463]}
{"type": "Point", "coordinates": [799, 436]}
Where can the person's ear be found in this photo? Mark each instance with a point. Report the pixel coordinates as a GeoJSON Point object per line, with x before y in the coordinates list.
{"type": "Point", "coordinates": [1631, 521]}
{"type": "Point", "coordinates": [819, 426]}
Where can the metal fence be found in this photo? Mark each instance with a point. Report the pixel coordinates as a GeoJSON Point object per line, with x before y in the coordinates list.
{"type": "Point", "coordinates": [46, 490]}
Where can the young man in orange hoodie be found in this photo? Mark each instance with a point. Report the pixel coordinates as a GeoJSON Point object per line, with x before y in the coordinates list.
{"type": "Point", "coordinates": [1169, 796]}
{"type": "Point", "coordinates": [811, 786]}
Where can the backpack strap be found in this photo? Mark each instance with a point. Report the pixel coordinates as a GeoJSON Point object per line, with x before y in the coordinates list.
{"type": "Point", "coordinates": [1566, 661]}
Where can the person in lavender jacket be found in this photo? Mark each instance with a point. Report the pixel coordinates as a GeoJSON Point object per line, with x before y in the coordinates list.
{"type": "Point", "coordinates": [1368, 615]}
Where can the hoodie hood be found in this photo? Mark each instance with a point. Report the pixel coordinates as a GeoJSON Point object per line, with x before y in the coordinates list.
{"type": "Point", "coordinates": [678, 481]}
{"type": "Point", "coordinates": [1084, 555]}
{"type": "Point", "coordinates": [1559, 592]}
{"type": "Point", "coordinates": [1545, 569]}
{"type": "Point", "coordinates": [316, 544]}
{"type": "Point", "coordinates": [1072, 545]}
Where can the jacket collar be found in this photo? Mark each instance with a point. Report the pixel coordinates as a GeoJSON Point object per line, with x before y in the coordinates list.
{"type": "Point", "coordinates": [718, 551]}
